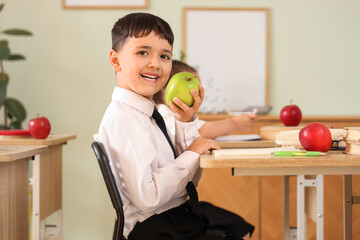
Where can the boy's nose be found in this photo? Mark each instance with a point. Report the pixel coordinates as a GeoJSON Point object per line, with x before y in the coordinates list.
{"type": "Point", "coordinates": [154, 63]}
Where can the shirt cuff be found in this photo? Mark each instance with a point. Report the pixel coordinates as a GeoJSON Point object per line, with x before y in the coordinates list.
{"type": "Point", "coordinates": [186, 131]}
{"type": "Point", "coordinates": [190, 161]}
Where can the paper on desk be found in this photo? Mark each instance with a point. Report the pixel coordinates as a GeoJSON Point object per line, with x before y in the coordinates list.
{"type": "Point", "coordinates": [235, 138]}
{"type": "Point", "coordinates": [250, 151]}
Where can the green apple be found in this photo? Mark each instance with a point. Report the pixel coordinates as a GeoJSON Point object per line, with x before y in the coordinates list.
{"type": "Point", "coordinates": [180, 86]}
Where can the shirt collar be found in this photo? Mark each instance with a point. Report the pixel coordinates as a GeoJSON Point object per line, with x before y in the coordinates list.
{"type": "Point", "coordinates": [133, 100]}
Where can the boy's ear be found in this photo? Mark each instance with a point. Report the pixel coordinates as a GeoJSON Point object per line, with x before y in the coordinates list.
{"type": "Point", "coordinates": [115, 60]}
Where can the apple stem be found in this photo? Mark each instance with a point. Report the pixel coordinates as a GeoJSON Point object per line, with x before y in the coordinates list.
{"type": "Point", "coordinates": [290, 101]}
{"type": "Point", "coordinates": [38, 115]}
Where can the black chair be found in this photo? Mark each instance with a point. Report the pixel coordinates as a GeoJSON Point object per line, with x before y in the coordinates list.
{"type": "Point", "coordinates": [112, 189]}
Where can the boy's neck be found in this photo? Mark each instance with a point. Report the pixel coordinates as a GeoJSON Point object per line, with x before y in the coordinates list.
{"type": "Point", "coordinates": [147, 97]}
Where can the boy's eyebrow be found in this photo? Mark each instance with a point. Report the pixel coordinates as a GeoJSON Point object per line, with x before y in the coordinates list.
{"type": "Point", "coordinates": [168, 51]}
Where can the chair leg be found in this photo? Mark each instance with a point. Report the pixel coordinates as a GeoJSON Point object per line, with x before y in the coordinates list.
{"type": "Point", "coordinates": [115, 234]}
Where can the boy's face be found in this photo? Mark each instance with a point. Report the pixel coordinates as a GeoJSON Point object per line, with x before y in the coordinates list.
{"type": "Point", "coordinates": [143, 64]}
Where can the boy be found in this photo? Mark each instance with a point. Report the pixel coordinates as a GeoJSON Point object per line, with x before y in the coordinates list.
{"type": "Point", "coordinates": [154, 180]}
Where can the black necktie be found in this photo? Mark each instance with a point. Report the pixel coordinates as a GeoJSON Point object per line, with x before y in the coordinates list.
{"type": "Point", "coordinates": [190, 188]}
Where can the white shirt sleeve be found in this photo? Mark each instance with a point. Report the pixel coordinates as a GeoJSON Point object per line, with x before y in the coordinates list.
{"type": "Point", "coordinates": [201, 123]}
{"type": "Point", "coordinates": [185, 134]}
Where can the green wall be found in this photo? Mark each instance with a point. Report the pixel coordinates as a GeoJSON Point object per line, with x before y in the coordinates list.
{"type": "Point", "coordinates": [314, 60]}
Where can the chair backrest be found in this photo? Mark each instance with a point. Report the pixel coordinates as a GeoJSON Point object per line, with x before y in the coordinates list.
{"type": "Point", "coordinates": [112, 189]}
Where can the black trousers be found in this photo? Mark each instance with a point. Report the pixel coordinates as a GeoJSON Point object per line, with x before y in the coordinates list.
{"type": "Point", "coordinates": [225, 223]}
{"type": "Point", "coordinates": [180, 223]}
{"type": "Point", "coordinates": [175, 224]}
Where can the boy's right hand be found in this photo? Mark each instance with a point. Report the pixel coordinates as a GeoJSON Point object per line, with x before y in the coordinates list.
{"type": "Point", "coordinates": [244, 122]}
{"type": "Point", "coordinates": [201, 145]}
{"type": "Point", "coordinates": [184, 113]}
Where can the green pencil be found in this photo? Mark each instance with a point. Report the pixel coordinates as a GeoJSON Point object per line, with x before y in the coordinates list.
{"type": "Point", "coordinates": [300, 153]}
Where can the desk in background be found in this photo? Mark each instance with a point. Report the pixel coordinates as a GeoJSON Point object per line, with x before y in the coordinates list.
{"type": "Point", "coordinates": [46, 182]}
{"type": "Point", "coordinates": [14, 190]}
{"type": "Point", "coordinates": [266, 120]}
{"type": "Point", "coordinates": [253, 196]}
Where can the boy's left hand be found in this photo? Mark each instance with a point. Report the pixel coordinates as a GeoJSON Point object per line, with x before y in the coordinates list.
{"type": "Point", "coordinates": [184, 113]}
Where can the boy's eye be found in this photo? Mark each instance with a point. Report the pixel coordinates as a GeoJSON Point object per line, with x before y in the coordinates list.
{"type": "Point", "coordinates": [166, 57]}
{"type": "Point", "coordinates": [142, 53]}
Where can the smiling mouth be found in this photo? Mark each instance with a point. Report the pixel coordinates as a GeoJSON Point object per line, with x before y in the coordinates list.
{"type": "Point", "coordinates": [151, 78]}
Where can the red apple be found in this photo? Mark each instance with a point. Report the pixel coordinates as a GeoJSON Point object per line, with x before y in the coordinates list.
{"type": "Point", "coordinates": [291, 115]}
{"type": "Point", "coordinates": [39, 127]}
{"type": "Point", "coordinates": [315, 137]}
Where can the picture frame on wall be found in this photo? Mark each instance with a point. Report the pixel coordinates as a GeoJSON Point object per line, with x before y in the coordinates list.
{"type": "Point", "coordinates": [229, 47]}
{"type": "Point", "coordinates": [105, 4]}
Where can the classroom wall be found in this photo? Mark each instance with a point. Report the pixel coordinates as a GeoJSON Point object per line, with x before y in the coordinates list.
{"type": "Point", "coordinates": [314, 60]}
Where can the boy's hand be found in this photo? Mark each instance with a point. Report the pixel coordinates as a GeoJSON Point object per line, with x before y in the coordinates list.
{"type": "Point", "coordinates": [184, 113]}
{"type": "Point", "coordinates": [201, 145]}
{"type": "Point", "coordinates": [244, 122]}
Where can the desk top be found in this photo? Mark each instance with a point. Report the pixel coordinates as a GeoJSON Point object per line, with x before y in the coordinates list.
{"type": "Point", "coordinates": [52, 139]}
{"type": "Point", "coordinates": [13, 153]}
{"type": "Point", "coordinates": [334, 163]}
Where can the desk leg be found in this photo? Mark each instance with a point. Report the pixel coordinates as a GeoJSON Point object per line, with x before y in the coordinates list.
{"type": "Point", "coordinates": [318, 184]}
{"type": "Point", "coordinates": [319, 207]}
{"type": "Point", "coordinates": [286, 209]}
{"type": "Point", "coordinates": [60, 223]}
{"type": "Point", "coordinates": [301, 217]}
{"type": "Point", "coordinates": [36, 198]}
{"type": "Point", "coordinates": [347, 207]}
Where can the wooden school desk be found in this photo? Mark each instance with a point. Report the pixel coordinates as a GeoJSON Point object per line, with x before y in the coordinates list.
{"type": "Point", "coordinates": [46, 182]}
{"type": "Point", "coordinates": [335, 163]}
{"type": "Point", "coordinates": [14, 190]}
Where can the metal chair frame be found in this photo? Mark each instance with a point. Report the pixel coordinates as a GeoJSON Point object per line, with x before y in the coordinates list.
{"type": "Point", "coordinates": [113, 191]}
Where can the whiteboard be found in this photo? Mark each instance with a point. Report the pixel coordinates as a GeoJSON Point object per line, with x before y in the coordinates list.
{"type": "Point", "coordinates": [229, 49]}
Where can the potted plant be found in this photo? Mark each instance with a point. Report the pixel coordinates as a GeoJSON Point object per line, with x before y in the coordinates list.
{"type": "Point", "coordinates": [14, 111]}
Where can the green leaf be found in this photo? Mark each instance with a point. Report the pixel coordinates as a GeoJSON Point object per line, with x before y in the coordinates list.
{"type": "Point", "coordinates": [182, 55]}
{"type": "Point", "coordinates": [1, 7]}
{"type": "Point", "coordinates": [15, 125]}
{"type": "Point", "coordinates": [4, 49]}
{"type": "Point", "coordinates": [4, 78]}
{"type": "Point", "coordinates": [21, 32]}
{"type": "Point", "coordinates": [13, 57]}
{"type": "Point", "coordinates": [2, 92]}
{"type": "Point", "coordinates": [15, 108]}
{"type": "Point", "coordinates": [4, 127]}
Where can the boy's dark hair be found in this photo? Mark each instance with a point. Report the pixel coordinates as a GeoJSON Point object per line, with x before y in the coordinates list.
{"type": "Point", "coordinates": [139, 25]}
{"type": "Point", "coordinates": [177, 66]}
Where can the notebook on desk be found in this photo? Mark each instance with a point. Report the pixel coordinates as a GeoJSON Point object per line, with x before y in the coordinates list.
{"type": "Point", "coordinates": [261, 110]}
{"type": "Point", "coordinates": [240, 137]}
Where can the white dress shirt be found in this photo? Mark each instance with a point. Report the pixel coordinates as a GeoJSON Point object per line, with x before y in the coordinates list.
{"type": "Point", "coordinates": [150, 180]}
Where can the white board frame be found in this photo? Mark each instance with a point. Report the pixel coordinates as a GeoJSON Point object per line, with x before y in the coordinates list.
{"type": "Point", "coordinates": [230, 49]}
{"type": "Point", "coordinates": [105, 4]}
